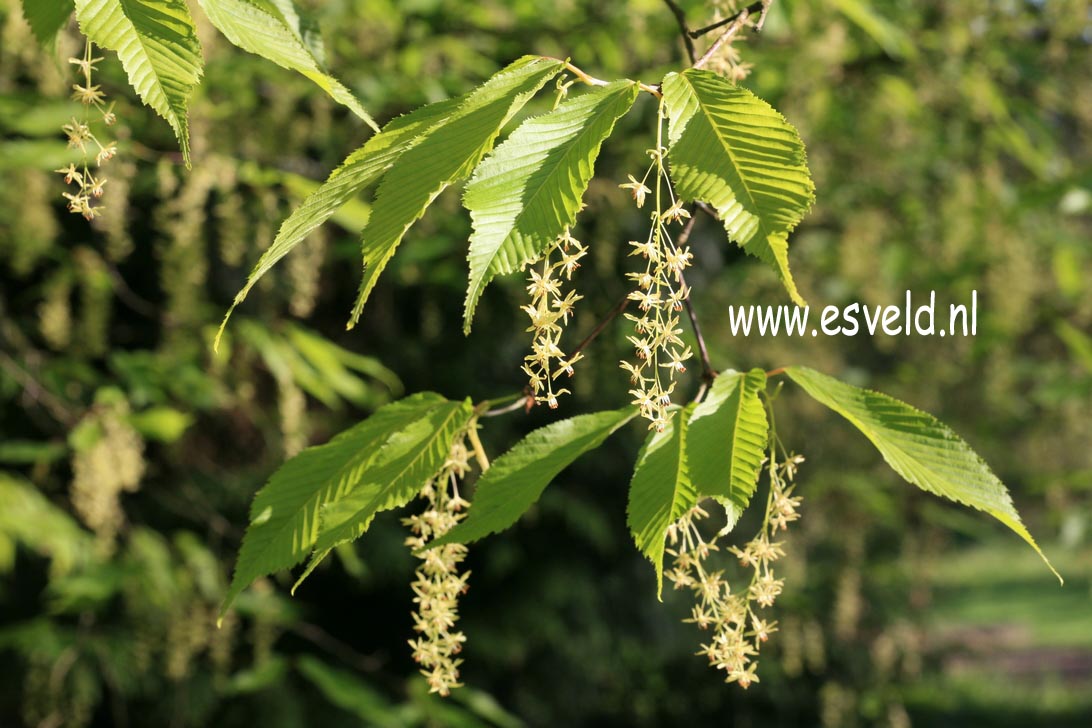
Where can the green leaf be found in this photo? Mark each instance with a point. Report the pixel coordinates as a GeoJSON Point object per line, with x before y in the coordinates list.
{"type": "Point", "coordinates": [359, 170]}
{"type": "Point", "coordinates": [157, 44]}
{"type": "Point", "coordinates": [275, 30]}
{"type": "Point", "coordinates": [285, 514]}
{"type": "Point", "coordinates": [263, 676]}
{"type": "Point", "coordinates": [29, 518]}
{"type": "Point", "coordinates": [31, 452]}
{"type": "Point", "coordinates": [918, 447]}
{"type": "Point", "coordinates": [47, 18]}
{"type": "Point", "coordinates": [529, 190]}
{"type": "Point", "coordinates": [394, 476]}
{"type": "Point", "coordinates": [661, 490]}
{"type": "Point", "coordinates": [165, 424]}
{"type": "Point", "coordinates": [448, 153]}
{"type": "Point", "coordinates": [727, 439]}
{"type": "Point", "coordinates": [731, 149]}
{"type": "Point", "coordinates": [518, 477]}
{"type": "Point", "coordinates": [43, 154]}
{"type": "Point", "coordinates": [339, 366]}
{"type": "Point", "coordinates": [893, 39]}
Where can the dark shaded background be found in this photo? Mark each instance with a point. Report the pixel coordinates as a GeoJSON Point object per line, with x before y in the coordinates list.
{"type": "Point", "coordinates": [948, 142]}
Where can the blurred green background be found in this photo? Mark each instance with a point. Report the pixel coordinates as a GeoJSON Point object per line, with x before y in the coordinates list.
{"type": "Point", "coordinates": [950, 148]}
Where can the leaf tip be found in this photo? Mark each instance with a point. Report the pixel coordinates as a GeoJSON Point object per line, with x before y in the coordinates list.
{"type": "Point", "coordinates": [223, 327]}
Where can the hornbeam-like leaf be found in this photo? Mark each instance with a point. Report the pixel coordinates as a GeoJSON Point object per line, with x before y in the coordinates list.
{"type": "Point", "coordinates": [529, 190]}
{"type": "Point", "coordinates": [394, 476]}
{"type": "Point", "coordinates": [448, 153]}
{"type": "Point", "coordinates": [284, 517]}
{"type": "Point", "coordinates": [518, 477]}
{"type": "Point", "coordinates": [731, 149]}
{"type": "Point", "coordinates": [727, 439]}
{"type": "Point", "coordinates": [359, 170]}
{"type": "Point", "coordinates": [918, 447]}
{"type": "Point", "coordinates": [46, 18]}
{"type": "Point", "coordinates": [661, 490]}
{"type": "Point", "coordinates": [275, 30]}
{"type": "Point", "coordinates": [157, 45]}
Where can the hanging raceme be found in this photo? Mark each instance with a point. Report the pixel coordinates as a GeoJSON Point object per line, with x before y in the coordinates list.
{"type": "Point", "coordinates": [81, 135]}
{"type": "Point", "coordinates": [156, 42]}
{"type": "Point", "coordinates": [439, 584]}
{"type": "Point", "coordinates": [549, 311]}
{"type": "Point", "coordinates": [660, 293]}
{"type": "Point", "coordinates": [739, 626]}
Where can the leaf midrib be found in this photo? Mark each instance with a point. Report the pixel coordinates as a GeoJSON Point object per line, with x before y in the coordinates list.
{"type": "Point", "coordinates": [735, 444]}
{"type": "Point", "coordinates": [409, 465]}
{"type": "Point", "coordinates": [552, 171]}
{"type": "Point", "coordinates": [352, 462]}
{"type": "Point", "coordinates": [680, 465]}
{"type": "Point", "coordinates": [728, 150]}
{"type": "Point", "coordinates": [155, 74]}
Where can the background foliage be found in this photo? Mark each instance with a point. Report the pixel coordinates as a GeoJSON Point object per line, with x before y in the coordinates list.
{"type": "Point", "coordinates": [949, 148]}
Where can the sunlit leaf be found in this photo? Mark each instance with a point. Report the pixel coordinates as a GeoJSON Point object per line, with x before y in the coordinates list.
{"type": "Point", "coordinates": [529, 190]}
{"type": "Point", "coordinates": [918, 447]}
{"type": "Point", "coordinates": [518, 477]}
{"type": "Point", "coordinates": [731, 149]}
{"type": "Point", "coordinates": [275, 30]}
{"type": "Point", "coordinates": [661, 491]}
{"type": "Point", "coordinates": [157, 44]}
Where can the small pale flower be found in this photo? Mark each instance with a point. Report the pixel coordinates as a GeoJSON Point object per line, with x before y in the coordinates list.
{"type": "Point", "coordinates": [71, 174]}
{"type": "Point", "coordinates": [88, 95]}
{"type": "Point", "coordinates": [107, 153]}
{"type": "Point", "coordinates": [637, 189]}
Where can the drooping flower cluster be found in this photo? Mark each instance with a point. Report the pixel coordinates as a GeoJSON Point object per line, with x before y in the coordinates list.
{"type": "Point", "coordinates": [549, 311]}
{"type": "Point", "coordinates": [439, 584]}
{"type": "Point", "coordinates": [89, 186]}
{"type": "Point", "coordinates": [738, 630]}
{"type": "Point", "coordinates": [660, 295]}
{"type": "Point", "coordinates": [108, 461]}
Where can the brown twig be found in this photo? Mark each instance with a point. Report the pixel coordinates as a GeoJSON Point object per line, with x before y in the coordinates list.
{"type": "Point", "coordinates": [755, 7]}
{"type": "Point", "coordinates": [520, 403]}
{"type": "Point", "coordinates": [739, 22]}
{"type": "Point", "coordinates": [60, 411]}
{"type": "Point", "coordinates": [128, 296]}
{"type": "Point", "coordinates": [611, 315]}
{"type": "Point", "coordinates": [709, 373]}
{"type": "Point", "coordinates": [680, 18]}
{"type": "Point", "coordinates": [321, 638]}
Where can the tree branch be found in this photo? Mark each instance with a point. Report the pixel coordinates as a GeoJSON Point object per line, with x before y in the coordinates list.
{"type": "Point", "coordinates": [739, 22]}
{"type": "Point", "coordinates": [680, 18]}
{"type": "Point", "coordinates": [708, 372]}
{"type": "Point", "coordinates": [33, 389]}
{"type": "Point", "coordinates": [756, 7]}
{"type": "Point", "coordinates": [520, 403]}
{"type": "Point", "coordinates": [611, 315]}
{"type": "Point", "coordinates": [343, 651]}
